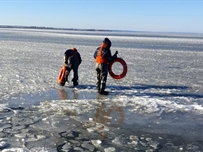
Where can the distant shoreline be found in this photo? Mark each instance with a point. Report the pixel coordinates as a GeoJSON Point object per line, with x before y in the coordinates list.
{"type": "Point", "coordinates": [50, 28]}
{"type": "Point", "coordinates": [121, 32]}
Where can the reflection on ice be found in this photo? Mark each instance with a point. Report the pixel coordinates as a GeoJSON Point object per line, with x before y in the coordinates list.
{"type": "Point", "coordinates": [64, 95]}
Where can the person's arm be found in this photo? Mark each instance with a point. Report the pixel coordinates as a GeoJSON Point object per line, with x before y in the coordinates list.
{"type": "Point", "coordinates": [114, 56]}
{"type": "Point", "coordinates": [65, 57]}
{"type": "Point", "coordinates": [96, 52]}
{"type": "Point", "coordinates": [111, 58]}
{"type": "Point", "coordinates": [79, 58]}
{"type": "Point", "coordinates": [107, 55]}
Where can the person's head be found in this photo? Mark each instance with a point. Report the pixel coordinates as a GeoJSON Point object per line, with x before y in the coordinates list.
{"type": "Point", "coordinates": [108, 42]}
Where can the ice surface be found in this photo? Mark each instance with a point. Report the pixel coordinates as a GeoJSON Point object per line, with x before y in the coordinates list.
{"type": "Point", "coordinates": [161, 93]}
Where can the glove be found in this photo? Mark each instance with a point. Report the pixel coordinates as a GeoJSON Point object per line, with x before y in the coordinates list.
{"type": "Point", "coordinates": [114, 56]}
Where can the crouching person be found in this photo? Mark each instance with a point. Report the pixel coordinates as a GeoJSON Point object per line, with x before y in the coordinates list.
{"type": "Point", "coordinates": [72, 60]}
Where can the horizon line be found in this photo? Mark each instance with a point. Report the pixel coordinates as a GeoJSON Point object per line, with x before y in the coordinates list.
{"type": "Point", "coordinates": [96, 30]}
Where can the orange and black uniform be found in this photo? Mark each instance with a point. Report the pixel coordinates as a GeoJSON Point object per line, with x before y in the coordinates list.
{"type": "Point", "coordinates": [102, 57]}
{"type": "Point", "coordinates": [72, 60]}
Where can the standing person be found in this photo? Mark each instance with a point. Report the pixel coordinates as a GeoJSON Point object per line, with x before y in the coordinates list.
{"type": "Point", "coordinates": [102, 57]}
{"type": "Point", "coordinates": [72, 60]}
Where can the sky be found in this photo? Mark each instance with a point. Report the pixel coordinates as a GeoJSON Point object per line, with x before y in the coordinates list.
{"type": "Point", "coordinates": [136, 15]}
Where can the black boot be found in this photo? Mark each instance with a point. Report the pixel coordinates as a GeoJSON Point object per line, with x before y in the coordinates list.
{"type": "Point", "coordinates": [104, 92]}
{"type": "Point", "coordinates": [75, 83]}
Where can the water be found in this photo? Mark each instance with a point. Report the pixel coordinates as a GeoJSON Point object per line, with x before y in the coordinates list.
{"type": "Point", "coordinates": [156, 107]}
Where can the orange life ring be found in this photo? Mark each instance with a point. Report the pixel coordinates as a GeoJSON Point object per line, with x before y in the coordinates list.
{"type": "Point", "coordinates": [61, 77]}
{"type": "Point", "coordinates": [125, 68]}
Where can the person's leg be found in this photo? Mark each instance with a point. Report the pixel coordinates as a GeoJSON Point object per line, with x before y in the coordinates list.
{"type": "Point", "coordinates": [104, 74]}
{"type": "Point", "coordinates": [67, 73]}
{"type": "Point", "coordinates": [98, 72]}
{"type": "Point", "coordinates": [98, 83]}
{"type": "Point", "coordinates": [75, 76]}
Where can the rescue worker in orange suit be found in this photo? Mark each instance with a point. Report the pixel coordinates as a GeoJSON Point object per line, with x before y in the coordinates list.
{"type": "Point", "coordinates": [72, 60]}
{"type": "Point", "coordinates": [102, 57]}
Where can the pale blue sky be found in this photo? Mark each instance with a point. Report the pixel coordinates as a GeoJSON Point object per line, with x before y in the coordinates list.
{"type": "Point", "coordinates": [137, 15]}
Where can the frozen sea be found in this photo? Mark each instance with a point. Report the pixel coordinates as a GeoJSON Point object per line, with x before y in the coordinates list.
{"type": "Point", "coordinates": [156, 107]}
